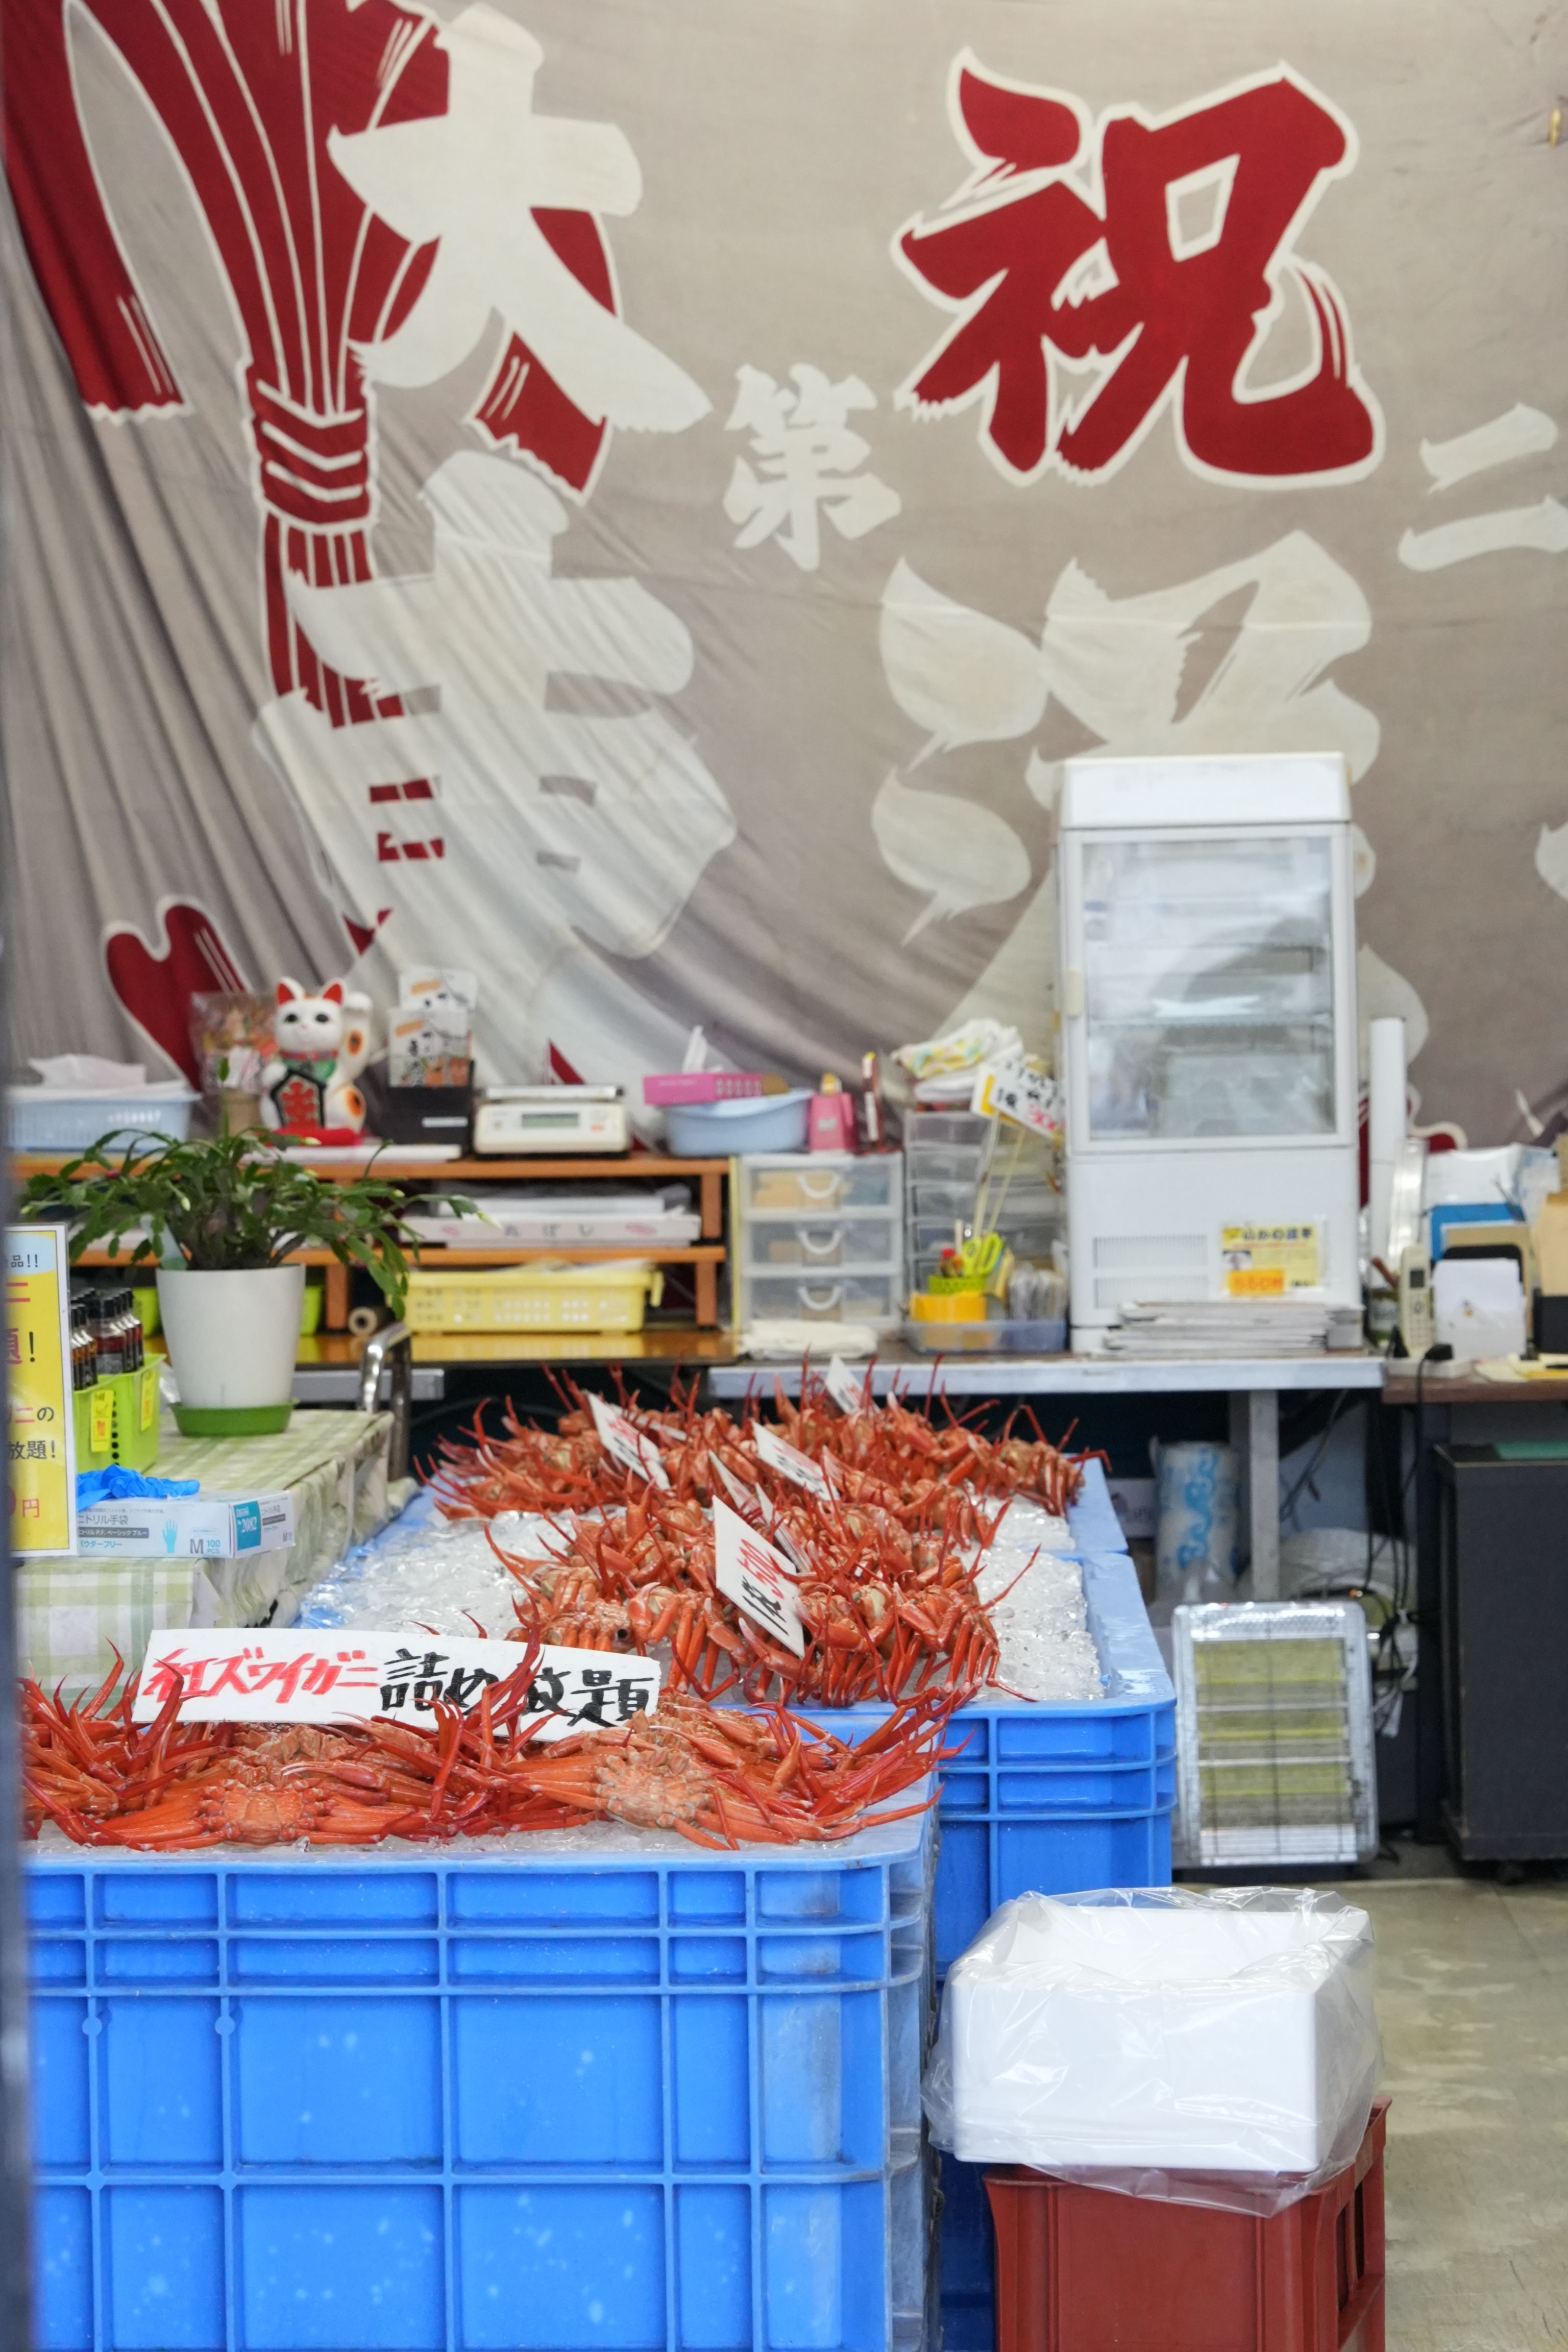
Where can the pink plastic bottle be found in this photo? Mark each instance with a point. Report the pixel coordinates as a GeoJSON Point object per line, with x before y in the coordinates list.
{"type": "Point", "coordinates": [830, 1124]}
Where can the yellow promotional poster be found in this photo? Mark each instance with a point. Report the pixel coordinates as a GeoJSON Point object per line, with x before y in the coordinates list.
{"type": "Point", "coordinates": [1266, 1261]}
{"type": "Point", "coordinates": [40, 1426]}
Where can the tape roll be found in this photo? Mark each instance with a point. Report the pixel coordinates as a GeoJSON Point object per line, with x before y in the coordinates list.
{"type": "Point", "coordinates": [363, 1320]}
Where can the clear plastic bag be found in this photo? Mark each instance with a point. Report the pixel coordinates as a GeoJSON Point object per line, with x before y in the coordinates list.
{"type": "Point", "coordinates": [1201, 2046]}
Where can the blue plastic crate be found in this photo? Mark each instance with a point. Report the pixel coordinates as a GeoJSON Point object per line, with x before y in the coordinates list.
{"type": "Point", "coordinates": [1046, 1799]}
{"type": "Point", "coordinates": [1092, 1518]}
{"type": "Point", "coordinates": [1051, 1799]}
{"type": "Point", "coordinates": [588, 2090]}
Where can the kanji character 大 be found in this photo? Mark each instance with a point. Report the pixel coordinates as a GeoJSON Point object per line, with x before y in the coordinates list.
{"type": "Point", "coordinates": [1150, 255]}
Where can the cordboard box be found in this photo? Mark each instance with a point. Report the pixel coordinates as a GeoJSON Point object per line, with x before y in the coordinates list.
{"type": "Point", "coordinates": [185, 1527]}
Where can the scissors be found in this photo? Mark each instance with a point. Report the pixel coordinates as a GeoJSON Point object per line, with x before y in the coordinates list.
{"type": "Point", "coordinates": [978, 1257]}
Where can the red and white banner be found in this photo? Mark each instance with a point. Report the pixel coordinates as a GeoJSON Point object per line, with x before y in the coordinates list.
{"type": "Point", "coordinates": [640, 502]}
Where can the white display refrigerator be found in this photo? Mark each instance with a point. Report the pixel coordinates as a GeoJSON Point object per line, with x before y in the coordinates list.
{"type": "Point", "coordinates": [1208, 1021]}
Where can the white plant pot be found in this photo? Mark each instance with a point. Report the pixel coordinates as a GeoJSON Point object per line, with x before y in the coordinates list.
{"type": "Point", "coordinates": [233, 1340]}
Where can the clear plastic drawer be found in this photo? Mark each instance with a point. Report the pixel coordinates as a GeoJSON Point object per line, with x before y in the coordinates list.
{"type": "Point", "coordinates": [803, 1245]}
{"type": "Point", "coordinates": [814, 1184]}
{"type": "Point", "coordinates": [832, 1296]}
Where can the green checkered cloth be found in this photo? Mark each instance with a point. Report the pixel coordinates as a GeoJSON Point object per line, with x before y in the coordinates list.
{"type": "Point", "coordinates": [73, 1615]}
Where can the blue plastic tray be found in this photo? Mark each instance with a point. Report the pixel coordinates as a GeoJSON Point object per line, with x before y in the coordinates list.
{"type": "Point", "coordinates": [605, 2091]}
{"type": "Point", "coordinates": [1092, 1518]}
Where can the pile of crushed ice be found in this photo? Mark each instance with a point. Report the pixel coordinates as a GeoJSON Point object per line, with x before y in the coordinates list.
{"type": "Point", "coordinates": [1037, 1603]}
{"type": "Point", "coordinates": [431, 1571]}
{"type": "Point", "coordinates": [444, 1575]}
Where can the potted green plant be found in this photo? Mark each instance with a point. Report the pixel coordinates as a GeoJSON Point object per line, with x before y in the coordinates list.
{"type": "Point", "coordinates": [219, 1218]}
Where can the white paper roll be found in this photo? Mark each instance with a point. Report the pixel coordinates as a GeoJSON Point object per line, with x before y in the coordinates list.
{"type": "Point", "coordinates": [1385, 1124]}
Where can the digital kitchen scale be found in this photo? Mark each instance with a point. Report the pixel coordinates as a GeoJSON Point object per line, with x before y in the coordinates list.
{"type": "Point", "coordinates": [524, 1121]}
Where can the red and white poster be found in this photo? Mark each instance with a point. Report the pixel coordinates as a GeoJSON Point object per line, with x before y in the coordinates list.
{"type": "Point", "coordinates": [641, 502]}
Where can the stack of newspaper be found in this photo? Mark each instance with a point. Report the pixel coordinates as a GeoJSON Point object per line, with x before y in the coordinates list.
{"type": "Point", "coordinates": [1232, 1328]}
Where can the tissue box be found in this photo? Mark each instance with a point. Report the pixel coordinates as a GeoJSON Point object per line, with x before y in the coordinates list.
{"type": "Point", "coordinates": [186, 1527]}
{"type": "Point", "coordinates": [1230, 2031]}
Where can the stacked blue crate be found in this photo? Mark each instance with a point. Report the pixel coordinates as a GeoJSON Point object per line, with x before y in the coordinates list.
{"type": "Point", "coordinates": [584, 2091]}
{"type": "Point", "coordinates": [1045, 1799]}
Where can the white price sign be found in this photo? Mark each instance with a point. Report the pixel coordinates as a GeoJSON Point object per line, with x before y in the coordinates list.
{"type": "Point", "coordinates": [745, 1499]}
{"type": "Point", "coordinates": [851, 1392]}
{"type": "Point", "coordinates": [626, 1445]}
{"type": "Point", "coordinates": [263, 1676]}
{"type": "Point", "coordinates": [790, 1462]}
{"type": "Point", "coordinates": [756, 1578]}
{"type": "Point", "coordinates": [1015, 1091]}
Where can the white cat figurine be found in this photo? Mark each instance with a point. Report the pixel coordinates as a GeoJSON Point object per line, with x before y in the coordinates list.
{"type": "Point", "coordinates": [323, 1043]}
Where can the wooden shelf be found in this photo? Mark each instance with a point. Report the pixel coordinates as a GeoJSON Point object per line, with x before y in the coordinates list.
{"type": "Point", "coordinates": [707, 1174]}
{"type": "Point", "coordinates": [705, 1259]}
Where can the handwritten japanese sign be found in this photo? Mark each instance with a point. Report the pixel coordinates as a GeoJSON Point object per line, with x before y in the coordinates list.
{"type": "Point", "coordinates": [851, 1392]}
{"type": "Point", "coordinates": [266, 1676]}
{"type": "Point", "coordinates": [756, 1578]}
{"type": "Point", "coordinates": [790, 1462]}
{"type": "Point", "coordinates": [626, 1445]}
{"type": "Point", "coordinates": [40, 1422]}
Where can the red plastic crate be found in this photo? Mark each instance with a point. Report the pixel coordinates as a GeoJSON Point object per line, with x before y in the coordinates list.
{"type": "Point", "coordinates": [1086, 2270]}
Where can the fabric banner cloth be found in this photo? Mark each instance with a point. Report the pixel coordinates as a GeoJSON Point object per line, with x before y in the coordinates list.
{"type": "Point", "coordinates": [639, 503]}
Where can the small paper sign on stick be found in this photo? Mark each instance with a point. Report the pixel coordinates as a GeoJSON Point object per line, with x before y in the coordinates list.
{"type": "Point", "coordinates": [790, 1462]}
{"type": "Point", "coordinates": [626, 1444]}
{"type": "Point", "coordinates": [849, 1394]}
{"type": "Point", "coordinates": [745, 1499]}
{"type": "Point", "coordinates": [756, 1578]}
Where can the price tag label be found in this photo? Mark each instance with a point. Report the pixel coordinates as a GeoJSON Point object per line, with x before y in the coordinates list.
{"type": "Point", "coordinates": [745, 1499]}
{"type": "Point", "coordinates": [790, 1462]}
{"type": "Point", "coordinates": [757, 1578]}
{"type": "Point", "coordinates": [100, 1417]}
{"type": "Point", "coordinates": [851, 1392]}
{"type": "Point", "coordinates": [1015, 1091]}
{"type": "Point", "coordinates": [263, 1676]}
{"type": "Point", "coordinates": [626, 1445]}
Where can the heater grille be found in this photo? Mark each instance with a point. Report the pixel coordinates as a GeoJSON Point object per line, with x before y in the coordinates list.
{"type": "Point", "coordinates": [1274, 1734]}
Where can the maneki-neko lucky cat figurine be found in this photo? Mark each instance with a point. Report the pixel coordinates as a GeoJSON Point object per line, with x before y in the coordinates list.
{"type": "Point", "coordinates": [323, 1043]}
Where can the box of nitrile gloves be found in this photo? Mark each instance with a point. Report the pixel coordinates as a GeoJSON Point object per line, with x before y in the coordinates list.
{"type": "Point", "coordinates": [185, 1527]}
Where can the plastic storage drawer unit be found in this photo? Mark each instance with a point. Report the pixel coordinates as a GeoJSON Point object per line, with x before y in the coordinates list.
{"type": "Point", "coordinates": [819, 1236]}
{"type": "Point", "coordinates": [591, 2089]}
{"type": "Point", "coordinates": [1088, 2270]}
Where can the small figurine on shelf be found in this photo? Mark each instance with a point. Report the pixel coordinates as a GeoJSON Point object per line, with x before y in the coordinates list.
{"type": "Point", "coordinates": [323, 1043]}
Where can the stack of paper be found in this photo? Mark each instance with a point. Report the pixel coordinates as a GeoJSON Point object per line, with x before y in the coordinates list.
{"type": "Point", "coordinates": [596, 1217]}
{"type": "Point", "coordinates": [1233, 1328]}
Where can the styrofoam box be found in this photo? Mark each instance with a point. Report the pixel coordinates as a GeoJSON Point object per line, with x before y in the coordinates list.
{"type": "Point", "coordinates": [592, 2088]}
{"type": "Point", "coordinates": [1129, 2036]}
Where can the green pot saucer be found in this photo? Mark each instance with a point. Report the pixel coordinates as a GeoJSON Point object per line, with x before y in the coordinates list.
{"type": "Point", "coordinates": [232, 1421]}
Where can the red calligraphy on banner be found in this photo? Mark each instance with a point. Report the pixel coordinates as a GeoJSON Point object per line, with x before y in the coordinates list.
{"type": "Point", "coordinates": [1149, 256]}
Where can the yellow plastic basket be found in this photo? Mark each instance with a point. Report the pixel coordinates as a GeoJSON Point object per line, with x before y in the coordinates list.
{"type": "Point", "coordinates": [536, 1298]}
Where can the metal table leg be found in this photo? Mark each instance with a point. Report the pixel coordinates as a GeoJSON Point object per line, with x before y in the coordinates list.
{"type": "Point", "coordinates": [392, 1346]}
{"type": "Point", "coordinates": [1255, 1433]}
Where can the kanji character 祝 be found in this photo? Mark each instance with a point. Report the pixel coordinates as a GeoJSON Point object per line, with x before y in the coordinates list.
{"type": "Point", "coordinates": [1148, 255]}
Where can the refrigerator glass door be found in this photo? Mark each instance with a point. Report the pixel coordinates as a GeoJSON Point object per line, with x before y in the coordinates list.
{"type": "Point", "coordinates": [1209, 986]}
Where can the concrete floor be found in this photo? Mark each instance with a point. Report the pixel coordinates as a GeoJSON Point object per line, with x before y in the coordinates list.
{"type": "Point", "coordinates": [1473, 2000]}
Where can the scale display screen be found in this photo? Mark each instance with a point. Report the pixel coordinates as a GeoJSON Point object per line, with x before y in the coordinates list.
{"type": "Point", "coordinates": [555, 1119]}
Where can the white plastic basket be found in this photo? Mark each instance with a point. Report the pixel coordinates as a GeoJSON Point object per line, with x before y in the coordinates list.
{"type": "Point", "coordinates": [54, 1119]}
